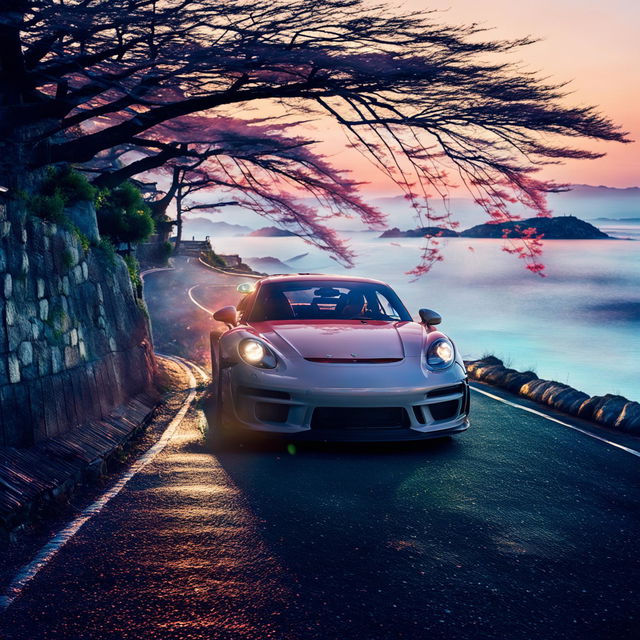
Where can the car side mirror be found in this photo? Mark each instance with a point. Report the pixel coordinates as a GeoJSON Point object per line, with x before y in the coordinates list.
{"type": "Point", "coordinates": [428, 316]}
{"type": "Point", "coordinates": [228, 315]}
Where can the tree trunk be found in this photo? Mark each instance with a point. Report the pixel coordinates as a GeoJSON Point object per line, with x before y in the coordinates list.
{"type": "Point", "coordinates": [178, 219]}
{"type": "Point", "coordinates": [12, 79]}
{"type": "Point", "coordinates": [159, 207]}
{"type": "Point", "coordinates": [12, 72]}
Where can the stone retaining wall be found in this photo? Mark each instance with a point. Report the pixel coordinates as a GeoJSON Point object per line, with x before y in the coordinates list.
{"type": "Point", "coordinates": [74, 341]}
{"type": "Point", "coordinates": [608, 410]}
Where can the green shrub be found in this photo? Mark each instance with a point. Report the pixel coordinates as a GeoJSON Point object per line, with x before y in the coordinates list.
{"type": "Point", "coordinates": [143, 307]}
{"type": "Point", "coordinates": [67, 258]}
{"type": "Point", "coordinates": [166, 250]}
{"type": "Point", "coordinates": [62, 187]}
{"type": "Point", "coordinates": [47, 207]}
{"type": "Point", "coordinates": [123, 215]}
{"type": "Point", "coordinates": [101, 197]}
{"type": "Point", "coordinates": [72, 228]}
{"type": "Point", "coordinates": [84, 241]}
{"type": "Point", "coordinates": [71, 185]}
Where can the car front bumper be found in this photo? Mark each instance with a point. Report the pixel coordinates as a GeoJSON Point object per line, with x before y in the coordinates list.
{"type": "Point", "coordinates": [347, 402]}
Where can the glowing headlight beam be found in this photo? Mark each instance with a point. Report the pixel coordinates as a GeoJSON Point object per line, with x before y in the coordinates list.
{"type": "Point", "coordinates": [440, 353]}
{"type": "Point", "coordinates": [257, 354]}
{"type": "Point", "coordinates": [252, 351]}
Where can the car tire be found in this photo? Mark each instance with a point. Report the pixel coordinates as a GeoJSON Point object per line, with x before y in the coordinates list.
{"type": "Point", "coordinates": [216, 433]}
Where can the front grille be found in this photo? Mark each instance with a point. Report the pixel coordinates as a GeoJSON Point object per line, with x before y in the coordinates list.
{"type": "Point", "coordinates": [359, 418]}
{"type": "Point", "coordinates": [444, 410]}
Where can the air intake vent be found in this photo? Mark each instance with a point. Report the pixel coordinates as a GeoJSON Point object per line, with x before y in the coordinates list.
{"type": "Point", "coordinates": [264, 393]}
{"type": "Point", "coordinates": [446, 391]}
{"type": "Point", "coordinates": [444, 410]}
{"type": "Point", "coordinates": [269, 412]}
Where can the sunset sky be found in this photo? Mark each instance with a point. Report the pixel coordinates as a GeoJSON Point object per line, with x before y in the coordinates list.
{"type": "Point", "coordinates": [592, 43]}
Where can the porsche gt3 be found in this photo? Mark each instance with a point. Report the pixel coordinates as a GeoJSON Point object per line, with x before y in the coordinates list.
{"type": "Point", "coordinates": [321, 357]}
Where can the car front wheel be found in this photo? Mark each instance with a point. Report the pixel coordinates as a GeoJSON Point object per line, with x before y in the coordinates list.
{"type": "Point", "coordinates": [216, 434]}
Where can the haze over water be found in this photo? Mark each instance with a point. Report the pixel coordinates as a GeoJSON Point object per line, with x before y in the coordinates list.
{"type": "Point", "coordinates": [580, 325]}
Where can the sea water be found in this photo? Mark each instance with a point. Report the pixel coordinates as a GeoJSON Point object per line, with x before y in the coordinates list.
{"type": "Point", "coordinates": [580, 325]}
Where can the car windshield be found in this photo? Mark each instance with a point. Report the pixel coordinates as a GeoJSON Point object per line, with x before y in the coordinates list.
{"type": "Point", "coordinates": [326, 300]}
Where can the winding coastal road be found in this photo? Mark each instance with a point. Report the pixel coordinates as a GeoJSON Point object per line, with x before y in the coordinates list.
{"type": "Point", "coordinates": [521, 528]}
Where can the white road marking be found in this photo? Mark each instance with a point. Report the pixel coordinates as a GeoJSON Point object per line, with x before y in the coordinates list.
{"type": "Point", "coordinates": [196, 302]}
{"type": "Point", "coordinates": [146, 272]}
{"type": "Point", "coordinates": [633, 452]}
{"type": "Point", "coordinates": [49, 550]}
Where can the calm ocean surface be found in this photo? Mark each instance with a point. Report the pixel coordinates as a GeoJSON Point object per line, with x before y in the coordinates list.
{"type": "Point", "coordinates": [580, 325]}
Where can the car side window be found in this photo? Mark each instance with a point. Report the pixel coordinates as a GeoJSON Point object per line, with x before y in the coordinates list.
{"type": "Point", "coordinates": [386, 308]}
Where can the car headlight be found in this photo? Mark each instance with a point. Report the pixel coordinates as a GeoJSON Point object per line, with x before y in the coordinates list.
{"type": "Point", "coordinates": [440, 353]}
{"type": "Point", "coordinates": [257, 354]}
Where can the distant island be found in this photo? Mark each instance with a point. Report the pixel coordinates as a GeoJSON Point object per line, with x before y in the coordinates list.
{"type": "Point", "coordinates": [616, 219]}
{"type": "Point", "coordinates": [559, 228]}
{"type": "Point", "coordinates": [270, 232]}
{"type": "Point", "coordinates": [419, 233]}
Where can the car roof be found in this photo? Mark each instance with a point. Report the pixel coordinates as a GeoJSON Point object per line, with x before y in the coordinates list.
{"type": "Point", "coordinates": [315, 277]}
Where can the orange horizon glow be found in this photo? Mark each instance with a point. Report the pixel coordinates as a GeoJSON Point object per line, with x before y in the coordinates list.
{"type": "Point", "coordinates": [592, 46]}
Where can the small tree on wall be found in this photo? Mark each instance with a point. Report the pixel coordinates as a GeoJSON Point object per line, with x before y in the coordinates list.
{"type": "Point", "coordinates": [123, 215]}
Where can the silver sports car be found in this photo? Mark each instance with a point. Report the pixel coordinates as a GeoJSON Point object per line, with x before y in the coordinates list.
{"type": "Point", "coordinates": [321, 357]}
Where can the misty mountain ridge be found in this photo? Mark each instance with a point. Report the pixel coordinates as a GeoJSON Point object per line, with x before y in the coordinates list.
{"type": "Point", "coordinates": [584, 201]}
{"type": "Point", "coordinates": [202, 226]}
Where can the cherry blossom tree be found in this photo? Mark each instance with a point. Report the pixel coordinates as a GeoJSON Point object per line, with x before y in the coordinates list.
{"type": "Point", "coordinates": [429, 104]}
{"type": "Point", "coordinates": [257, 165]}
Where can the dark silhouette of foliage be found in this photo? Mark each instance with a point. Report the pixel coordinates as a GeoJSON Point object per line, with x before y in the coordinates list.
{"type": "Point", "coordinates": [47, 207]}
{"type": "Point", "coordinates": [70, 184]}
{"type": "Point", "coordinates": [423, 101]}
{"type": "Point", "coordinates": [123, 215]}
{"type": "Point", "coordinates": [62, 187]}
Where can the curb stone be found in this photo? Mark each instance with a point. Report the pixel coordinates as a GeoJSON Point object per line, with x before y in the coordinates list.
{"type": "Point", "coordinates": [615, 412]}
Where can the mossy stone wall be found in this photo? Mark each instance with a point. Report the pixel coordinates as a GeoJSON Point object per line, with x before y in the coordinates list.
{"type": "Point", "coordinates": [74, 341]}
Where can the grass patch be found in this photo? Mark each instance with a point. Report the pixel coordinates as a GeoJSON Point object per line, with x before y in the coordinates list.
{"type": "Point", "coordinates": [133, 267]}
{"type": "Point", "coordinates": [212, 258]}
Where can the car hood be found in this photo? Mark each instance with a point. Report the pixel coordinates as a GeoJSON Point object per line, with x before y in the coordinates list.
{"type": "Point", "coordinates": [347, 339]}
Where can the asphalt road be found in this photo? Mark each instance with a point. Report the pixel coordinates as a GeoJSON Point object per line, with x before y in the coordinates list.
{"type": "Point", "coordinates": [518, 529]}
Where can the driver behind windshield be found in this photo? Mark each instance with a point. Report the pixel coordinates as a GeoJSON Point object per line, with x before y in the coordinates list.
{"type": "Point", "coordinates": [355, 305]}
